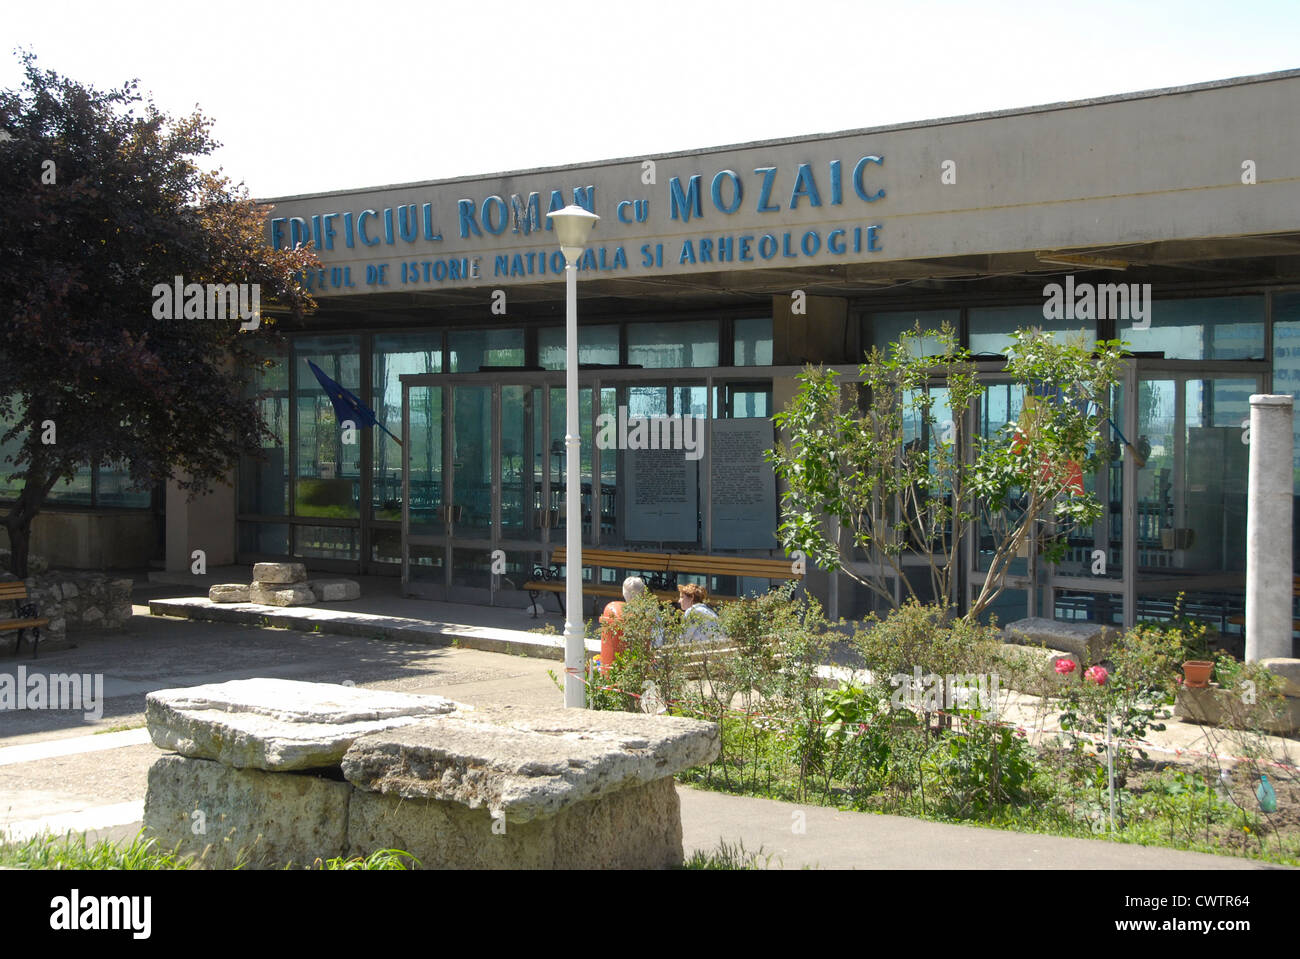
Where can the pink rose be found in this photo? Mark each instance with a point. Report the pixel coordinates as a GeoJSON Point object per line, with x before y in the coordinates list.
{"type": "Point", "coordinates": [1096, 674]}
{"type": "Point", "coordinates": [1064, 666]}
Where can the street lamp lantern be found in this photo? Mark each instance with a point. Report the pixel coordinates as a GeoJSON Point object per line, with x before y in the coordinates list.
{"type": "Point", "coordinates": [573, 227]}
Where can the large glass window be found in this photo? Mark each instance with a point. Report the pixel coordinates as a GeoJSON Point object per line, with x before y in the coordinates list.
{"type": "Point", "coordinates": [264, 479]}
{"type": "Point", "coordinates": [394, 356]}
{"type": "Point", "coordinates": [753, 342]}
{"type": "Point", "coordinates": [1210, 328]}
{"type": "Point", "coordinates": [8, 450]}
{"type": "Point", "coordinates": [471, 350]}
{"type": "Point", "coordinates": [991, 328]}
{"type": "Point", "coordinates": [1286, 359]}
{"type": "Point", "coordinates": [109, 486]}
{"type": "Point", "coordinates": [328, 469]}
{"type": "Point", "coordinates": [673, 345]}
{"type": "Point", "coordinates": [114, 488]}
{"type": "Point", "coordinates": [596, 344]}
{"type": "Point", "coordinates": [884, 329]}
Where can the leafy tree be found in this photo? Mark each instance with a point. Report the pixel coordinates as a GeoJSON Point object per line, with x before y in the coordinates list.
{"type": "Point", "coordinates": [891, 466]}
{"type": "Point", "coordinates": [104, 200]}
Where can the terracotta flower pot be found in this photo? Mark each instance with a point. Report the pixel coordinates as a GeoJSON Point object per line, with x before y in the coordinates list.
{"type": "Point", "coordinates": [1196, 672]}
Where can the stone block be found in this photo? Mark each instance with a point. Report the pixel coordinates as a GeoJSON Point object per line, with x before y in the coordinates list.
{"type": "Point", "coordinates": [278, 724]}
{"type": "Point", "coordinates": [276, 594]}
{"type": "Point", "coordinates": [1215, 706]}
{"type": "Point", "coordinates": [1088, 642]}
{"type": "Point", "coordinates": [639, 827]}
{"type": "Point", "coordinates": [229, 593]}
{"type": "Point", "coordinates": [335, 590]}
{"type": "Point", "coordinates": [280, 573]}
{"type": "Point", "coordinates": [259, 819]}
{"type": "Point", "coordinates": [526, 763]}
{"type": "Point", "coordinates": [1288, 669]}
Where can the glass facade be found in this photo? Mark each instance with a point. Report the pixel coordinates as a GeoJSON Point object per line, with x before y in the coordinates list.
{"type": "Point", "coordinates": [485, 459]}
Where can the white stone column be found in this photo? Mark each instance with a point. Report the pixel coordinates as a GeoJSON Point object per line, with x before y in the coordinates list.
{"type": "Point", "coordinates": [1268, 528]}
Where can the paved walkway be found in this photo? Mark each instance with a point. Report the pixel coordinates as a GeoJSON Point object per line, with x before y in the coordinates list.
{"type": "Point", "coordinates": [60, 771]}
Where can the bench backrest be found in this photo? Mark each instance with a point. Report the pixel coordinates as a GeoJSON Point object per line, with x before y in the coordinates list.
{"type": "Point", "coordinates": [697, 563]}
{"type": "Point", "coordinates": [619, 559]}
{"type": "Point", "coordinates": [13, 590]}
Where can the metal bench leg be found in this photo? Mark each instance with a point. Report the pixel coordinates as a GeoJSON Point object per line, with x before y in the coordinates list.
{"type": "Point", "coordinates": [36, 641]}
{"type": "Point", "coordinates": [559, 598]}
{"type": "Point", "coordinates": [18, 643]}
{"type": "Point", "coordinates": [532, 597]}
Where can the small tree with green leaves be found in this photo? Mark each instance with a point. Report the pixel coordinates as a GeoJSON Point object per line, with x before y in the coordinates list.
{"type": "Point", "coordinates": [892, 465]}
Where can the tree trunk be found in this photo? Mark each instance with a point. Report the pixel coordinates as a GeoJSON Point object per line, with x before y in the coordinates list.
{"type": "Point", "coordinates": [20, 542]}
{"type": "Point", "coordinates": [36, 488]}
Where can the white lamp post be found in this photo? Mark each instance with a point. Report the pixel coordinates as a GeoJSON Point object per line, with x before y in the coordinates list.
{"type": "Point", "coordinates": [573, 226]}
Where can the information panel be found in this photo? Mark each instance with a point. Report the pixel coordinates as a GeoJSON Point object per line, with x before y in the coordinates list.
{"type": "Point", "coordinates": [662, 497]}
{"type": "Point", "coordinates": [743, 484]}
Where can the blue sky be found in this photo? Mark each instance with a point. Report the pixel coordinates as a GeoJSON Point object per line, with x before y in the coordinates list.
{"type": "Point", "coordinates": [326, 96]}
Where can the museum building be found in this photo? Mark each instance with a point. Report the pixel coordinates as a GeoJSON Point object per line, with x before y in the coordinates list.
{"type": "Point", "coordinates": [710, 280]}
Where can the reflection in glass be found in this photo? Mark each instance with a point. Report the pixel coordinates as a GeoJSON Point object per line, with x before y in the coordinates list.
{"type": "Point", "coordinates": [670, 345]}
{"type": "Point", "coordinates": [424, 457]}
{"type": "Point", "coordinates": [394, 356]}
{"type": "Point", "coordinates": [596, 344]}
{"type": "Point", "coordinates": [328, 470]}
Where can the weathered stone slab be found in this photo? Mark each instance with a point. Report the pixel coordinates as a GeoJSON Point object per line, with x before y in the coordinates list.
{"type": "Point", "coordinates": [279, 573]}
{"type": "Point", "coordinates": [246, 816]}
{"type": "Point", "coordinates": [335, 590]}
{"type": "Point", "coordinates": [1089, 642]}
{"type": "Point", "coordinates": [274, 594]}
{"type": "Point", "coordinates": [278, 724]}
{"type": "Point", "coordinates": [526, 763]}
{"type": "Point", "coordinates": [229, 593]}
{"type": "Point", "coordinates": [639, 827]}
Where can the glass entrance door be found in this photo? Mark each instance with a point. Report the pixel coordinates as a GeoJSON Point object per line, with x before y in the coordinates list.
{"type": "Point", "coordinates": [424, 512]}
{"type": "Point", "coordinates": [1191, 494]}
{"type": "Point", "coordinates": [471, 487]}
{"type": "Point", "coordinates": [1175, 498]}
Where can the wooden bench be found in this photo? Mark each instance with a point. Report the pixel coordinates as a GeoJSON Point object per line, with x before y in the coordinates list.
{"type": "Point", "coordinates": [25, 615]}
{"type": "Point", "coordinates": [660, 571]}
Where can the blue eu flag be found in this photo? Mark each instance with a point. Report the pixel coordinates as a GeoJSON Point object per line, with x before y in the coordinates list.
{"type": "Point", "coordinates": [347, 405]}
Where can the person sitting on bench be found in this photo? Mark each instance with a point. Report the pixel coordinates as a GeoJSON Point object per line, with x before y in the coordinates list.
{"type": "Point", "coordinates": [699, 622]}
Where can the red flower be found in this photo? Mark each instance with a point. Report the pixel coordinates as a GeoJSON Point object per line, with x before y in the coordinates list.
{"type": "Point", "coordinates": [1064, 666]}
{"type": "Point", "coordinates": [1096, 674]}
